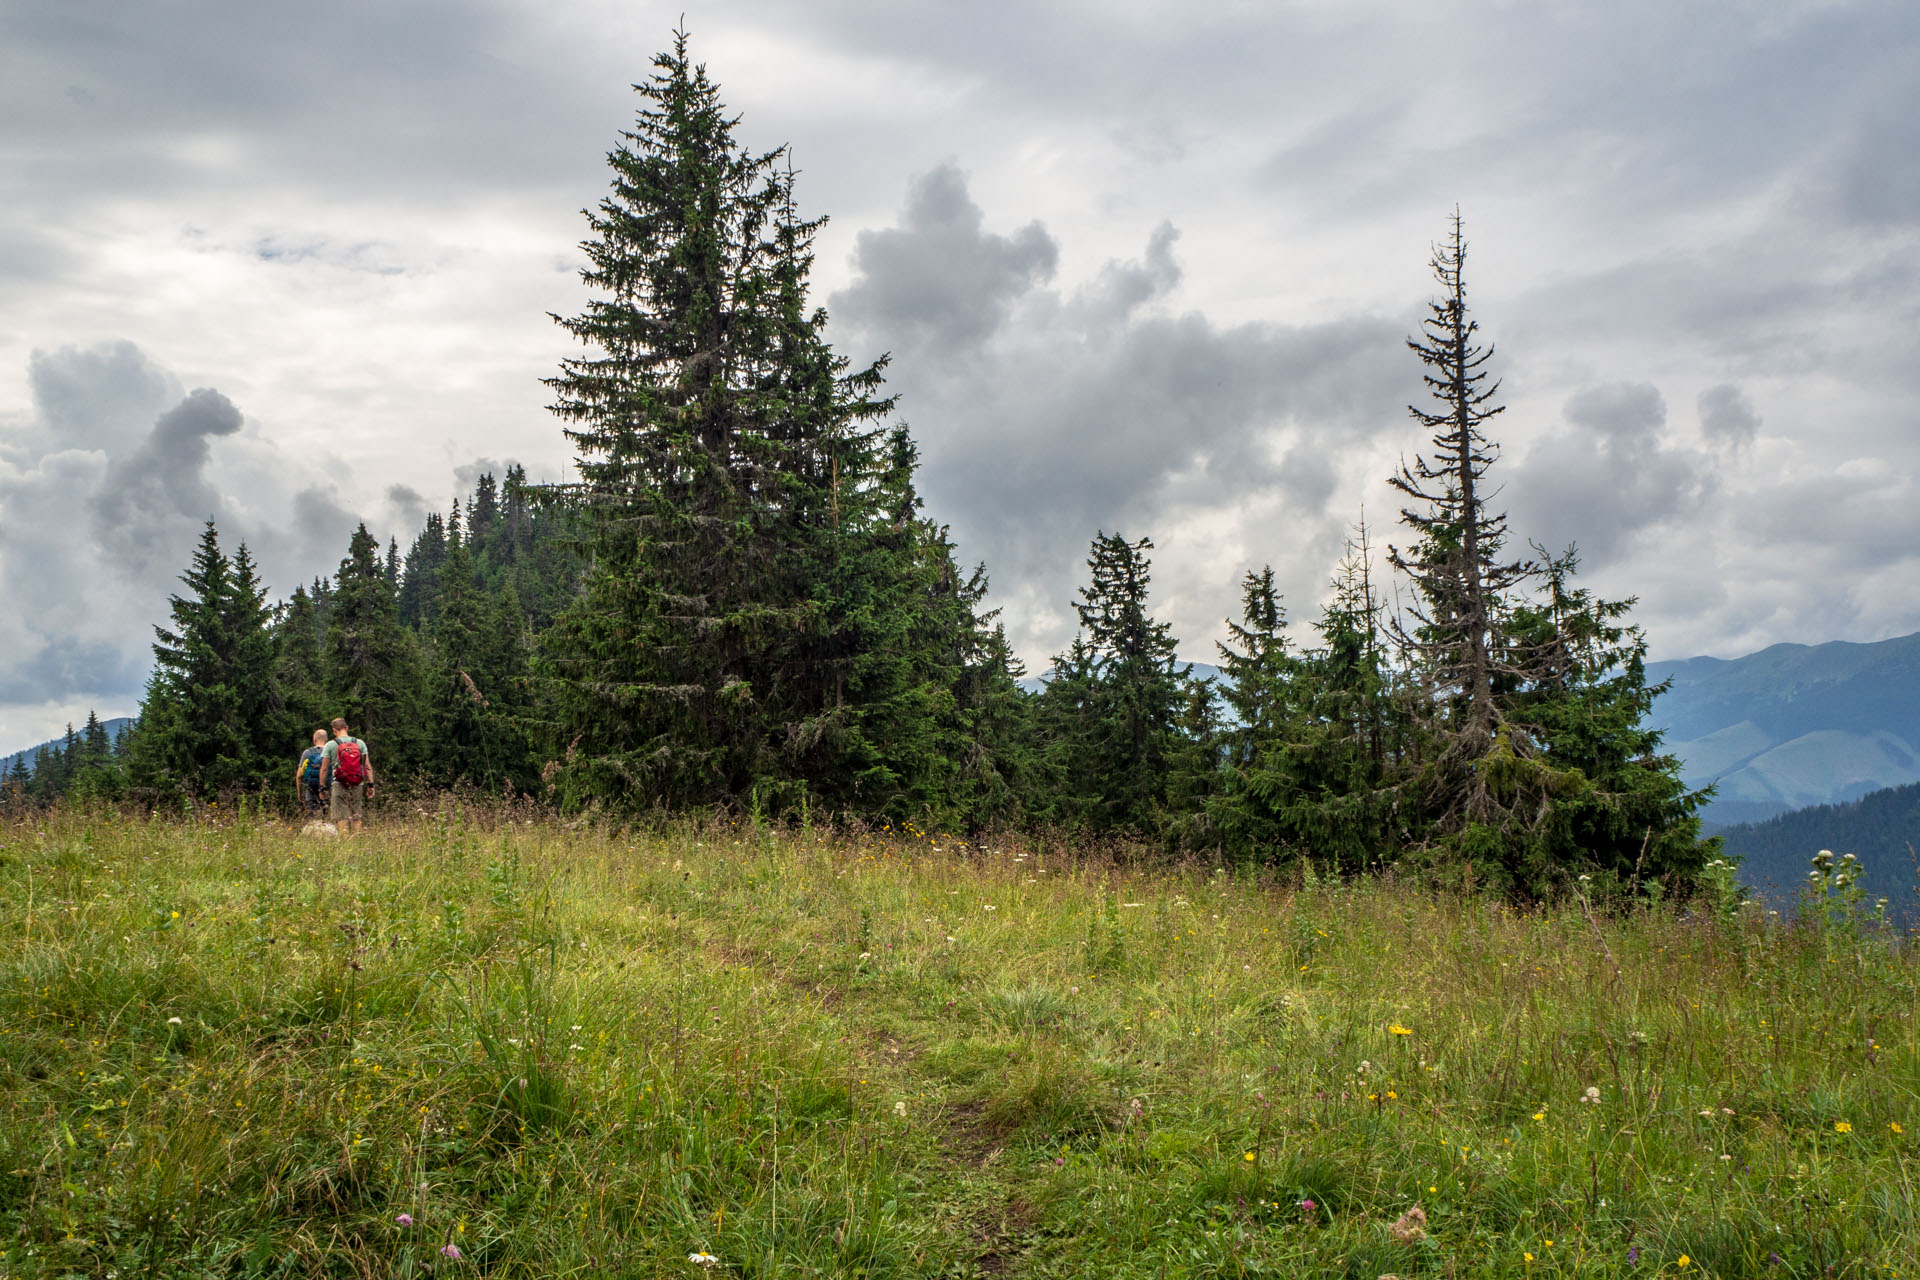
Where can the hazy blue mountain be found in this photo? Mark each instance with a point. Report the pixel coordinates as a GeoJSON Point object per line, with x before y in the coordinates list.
{"type": "Point", "coordinates": [1794, 725]}
{"type": "Point", "coordinates": [1882, 829]}
{"type": "Point", "coordinates": [113, 728]}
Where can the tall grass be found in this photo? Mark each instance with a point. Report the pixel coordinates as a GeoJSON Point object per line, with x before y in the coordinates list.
{"type": "Point", "coordinates": [226, 1050]}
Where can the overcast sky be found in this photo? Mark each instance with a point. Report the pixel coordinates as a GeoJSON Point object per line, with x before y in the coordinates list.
{"type": "Point", "coordinates": [1144, 267]}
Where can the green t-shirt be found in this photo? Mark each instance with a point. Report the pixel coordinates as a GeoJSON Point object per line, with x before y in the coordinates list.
{"type": "Point", "coordinates": [333, 757]}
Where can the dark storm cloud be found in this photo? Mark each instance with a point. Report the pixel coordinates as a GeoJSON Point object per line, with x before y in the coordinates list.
{"type": "Point", "coordinates": [1606, 476]}
{"type": "Point", "coordinates": [104, 488]}
{"type": "Point", "coordinates": [939, 277]}
{"type": "Point", "coordinates": [1047, 416]}
{"type": "Point", "coordinates": [162, 485]}
{"type": "Point", "coordinates": [409, 508]}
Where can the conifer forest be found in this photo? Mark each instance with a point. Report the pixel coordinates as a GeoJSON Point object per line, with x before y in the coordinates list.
{"type": "Point", "coordinates": [740, 604]}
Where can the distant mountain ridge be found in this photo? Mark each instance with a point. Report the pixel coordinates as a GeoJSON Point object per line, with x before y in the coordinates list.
{"type": "Point", "coordinates": [113, 728]}
{"type": "Point", "coordinates": [1794, 725]}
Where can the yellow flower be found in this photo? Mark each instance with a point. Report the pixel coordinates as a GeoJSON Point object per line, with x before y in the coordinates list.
{"type": "Point", "coordinates": [1683, 1262]}
{"type": "Point", "coordinates": [1248, 1156]}
{"type": "Point", "coordinates": [1895, 1126]}
{"type": "Point", "coordinates": [1841, 1126]}
{"type": "Point", "coordinates": [1398, 1030]}
{"type": "Point", "coordinates": [1539, 1115]}
{"type": "Point", "coordinates": [1527, 1256]}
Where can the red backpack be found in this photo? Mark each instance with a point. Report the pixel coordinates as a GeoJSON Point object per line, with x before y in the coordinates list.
{"type": "Point", "coordinates": [349, 768]}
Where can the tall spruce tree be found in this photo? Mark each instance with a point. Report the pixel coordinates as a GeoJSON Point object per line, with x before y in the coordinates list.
{"type": "Point", "coordinates": [203, 724]}
{"type": "Point", "coordinates": [742, 514]}
{"type": "Point", "coordinates": [1457, 564]}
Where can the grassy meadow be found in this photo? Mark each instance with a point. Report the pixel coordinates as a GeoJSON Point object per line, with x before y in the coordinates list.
{"type": "Point", "coordinates": [460, 1047]}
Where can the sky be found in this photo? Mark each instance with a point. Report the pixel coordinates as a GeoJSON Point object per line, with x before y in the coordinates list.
{"type": "Point", "coordinates": [1141, 267]}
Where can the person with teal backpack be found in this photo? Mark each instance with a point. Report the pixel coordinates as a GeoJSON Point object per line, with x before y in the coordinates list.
{"type": "Point", "coordinates": [306, 776]}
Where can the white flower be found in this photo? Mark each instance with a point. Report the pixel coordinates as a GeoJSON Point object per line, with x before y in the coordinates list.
{"type": "Point", "coordinates": [1592, 1095]}
{"type": "Point", "coordinates": [900, 1109]}
{"type": "Point", "coordinates": [949, 937]}
{"type": "Point", "coordinates": [865, 954]}
{"type": "Point", "coordinates": [703, 1259]}
{"type": "Point", "coordinates": [991, 907]}
{"type": "Point", "coordinates": [173, 1022]}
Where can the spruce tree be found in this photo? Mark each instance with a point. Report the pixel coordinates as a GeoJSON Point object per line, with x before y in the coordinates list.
{"type": "Point", "coordinates": [1260, 684]}
{"type": "Point", "coordinates": [204, 720]}
{"type": "Point", "coordinates": [418, 600]}
{"type": "Point", "coordinates": [1584, 702]}
{"type": "Point", "coordinates": [756, 626]}
{"type": "Point", "coordinates": [299, 673]}
{"type": "Point", "coordinates": [1459, 573]}
{"type": "Point", "coordinates": [372, 666]}
{"type": "Point", "coordinates": [476, 688]}
{"type": "Point", "coordinates": [1111, 710]}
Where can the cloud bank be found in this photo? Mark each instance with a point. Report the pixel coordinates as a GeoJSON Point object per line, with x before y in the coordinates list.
{"type": "Point", "coordinates": [1143, 268]}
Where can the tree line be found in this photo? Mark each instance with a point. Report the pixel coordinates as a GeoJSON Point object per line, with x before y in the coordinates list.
{"type": "Point", "coordinates": [739, 601]}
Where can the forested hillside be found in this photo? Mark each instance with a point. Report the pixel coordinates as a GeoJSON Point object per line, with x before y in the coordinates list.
{"type": "Point", "coordinates": [1881, 829]}
{"type": "Point", "coordinates": [739, 604]}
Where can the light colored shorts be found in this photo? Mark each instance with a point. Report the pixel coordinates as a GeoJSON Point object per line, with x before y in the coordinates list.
{"type": "Point", "coordinates": [347, 802]}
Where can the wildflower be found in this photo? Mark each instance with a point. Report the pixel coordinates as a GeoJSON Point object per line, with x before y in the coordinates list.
{"type": "Point", "coordinates": [1527, 1257]}
{"type": "Point", "coordinates": [1410, 1226]}
{"type": "Point", "coordinates": [1398, 1030]}
{"type": "Point", "coordinates": [450, 1251]}
{"type": "Point", "coordinates": [1248, 1157]}
{"type": "Point", "coordinates": [1841, 1126]}
{"type": "Point", "coordinates": [1308, 1205]}
{"type": "Point", "coordinates": [1683, 1262]}
{"type": "Point", "coordinates": [173, 1022]}
{"type": "Point", "coordinates": [900, 1109]}
{"type": "Point", "coordinates": [403, 1219]}
{"type": "Point", "coordinates": [991, 907]}
{"type": "Point", "coordinates": [1539, 1115]}
{"type": "Point", "coordinates": [703, 1260]}
{"type": "Point", "coordinates": [1895, 1126]}
{"type": "Point", "coordinates": [1592, 1095]}
{"type": "Point", "coordinates": [1633, 1253]}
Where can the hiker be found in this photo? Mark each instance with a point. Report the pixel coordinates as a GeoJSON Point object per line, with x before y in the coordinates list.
{"type": "Point", "coordinates": [346, 775]}
{"type": "Point", "coordinates": [306, 776]}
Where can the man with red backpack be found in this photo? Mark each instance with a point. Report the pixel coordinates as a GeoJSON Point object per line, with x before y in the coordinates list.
{"type": "Point", "coordinates": [347, 776]}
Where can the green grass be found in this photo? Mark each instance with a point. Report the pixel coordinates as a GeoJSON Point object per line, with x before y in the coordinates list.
{"type": "Point", "coordinates": [226, 1050]}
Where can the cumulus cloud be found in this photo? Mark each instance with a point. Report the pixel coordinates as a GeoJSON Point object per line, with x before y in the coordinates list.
{"type": "Point", "coordinates": [1049, 414]}
{"type": "Point", "coordinates": [105, 482]}
{"type": "Point", "coordinates": [1607, 475]}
